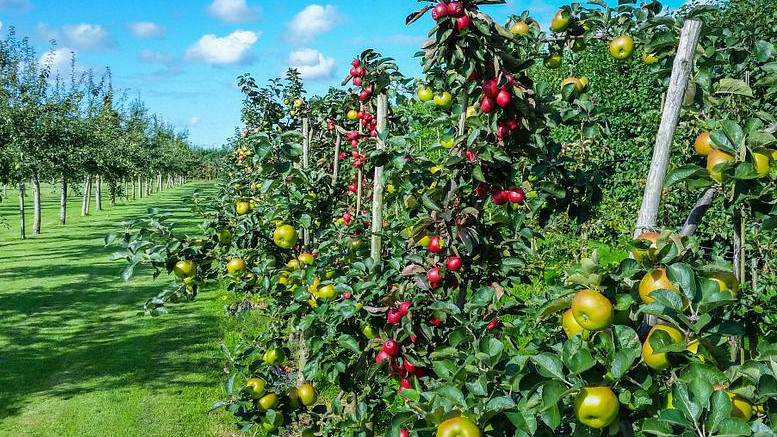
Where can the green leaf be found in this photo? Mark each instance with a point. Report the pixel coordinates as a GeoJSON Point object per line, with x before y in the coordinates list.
{"type": "Point", "coordinates": [720, 409]}
{"type": "Point", "coordinates": [549, 366]}
{"type": "Point", "coordinates": [733, 86]}
{"type": "Point", "coordinates": [658, 427]}
{"type": "Point", "coordinates": [453, 394]}
{"type": "Point", "coordinates": [733, 427]}
{"type": "Point", "coordinates": [683, 173]}
{"type": "Point", "coordinates": [350, 343]}
{"type": "Point", "coordinates": [683, 277]}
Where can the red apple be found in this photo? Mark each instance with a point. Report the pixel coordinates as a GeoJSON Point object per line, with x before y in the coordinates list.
{"type": "Point", "coordinates": [488, 104]}
{"type": "Point", "coordinates": [355, 63]}
{"type": "Point", "coordinates": [516, 195]}
{"type": "Point", "coordinates": [435, 244]}
{"type": "Point", "coordinates": [353, 188]}
{"type": "Point", "coordinates": [390, 347]}
{"type": "Point", "coordinates": [404, 307]}
{"type": "Point", "coordinates": [511, 124]}
{"type": "Point", "coordinates": [499, 197]}
{"type": "Point", "coordinates": [394, 317]}
{"type": "Point", "coordinates": [347, 218]}
{"type": "Point", "coordinates": [440, 10]}
{"type": "Point", "coordinates": [504, 98]}
{"type": "Point", "coordinates": [502, 131]}
{"type": "Point", "coordinates": [482, 190]}
{"type": "Point", "coordinates": [455, 9]}
{"type": "Point", "coordinates": [490, 88]}
{"type": "Point", "coordinates": [382, 357]}
{"type": "Point", "coordinates": [471, 156]}
{"type": "Point", "coordinates": [357, 81]}
{"type": "Point", "coordinates": [403, 433]}
{"type": "Point", "coordinates": [463, 22]}
{"type": "Point", "coordinates": [404, 384]}
{"type": "Point", "coordinates": [434, 321]}
{"type": "Point", "coordinates": [434, 275]}
{"type": "Point", "coordinates": [453, 263]}
{"type": "Point", "coordinates": [492, 324]}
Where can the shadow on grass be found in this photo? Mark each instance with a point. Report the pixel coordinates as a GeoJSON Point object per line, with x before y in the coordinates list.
{"type": "Point", "coordinates": [68, 325]}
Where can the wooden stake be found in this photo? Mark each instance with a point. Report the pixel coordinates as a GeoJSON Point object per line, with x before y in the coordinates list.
{"type": "Point", "coordinates": [670, 116]}
{"type": "Point", "coordinates": [336, 170]}
{"type": "Point", "coordinates": [377, 187]}
{"type": "Point", "coordinates": [305, 163]}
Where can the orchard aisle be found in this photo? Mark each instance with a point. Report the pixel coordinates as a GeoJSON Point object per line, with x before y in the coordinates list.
{"type": "Point", "coordinates": [77, 359]}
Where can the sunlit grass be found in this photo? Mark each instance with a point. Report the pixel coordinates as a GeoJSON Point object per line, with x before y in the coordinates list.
{"type": "Point", "coordinates": [77, 357]}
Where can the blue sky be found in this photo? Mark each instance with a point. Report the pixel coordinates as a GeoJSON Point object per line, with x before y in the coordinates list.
{"type": "Point", "coordinates": [182, 57]}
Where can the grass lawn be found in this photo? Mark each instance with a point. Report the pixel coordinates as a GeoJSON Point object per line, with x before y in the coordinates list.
{"type": "Point", "coordinates": [77, 357]}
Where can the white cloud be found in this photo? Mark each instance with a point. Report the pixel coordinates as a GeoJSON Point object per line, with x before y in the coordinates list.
{"type": "Point", "coordinates": [82, 36]}
{"type": "Point", "coordinates": [147, 29]}
{"type": "Point", "coordinates": [194, 121]}
{"type": "Point", "coordinates": [312, 21]}
{"type": "Point", "coordinates": [59, 61]}
{"type": "Point", "coordinates": [86, 36]}
{"type": "Point", "coordinates": [18, 4]}
{"type": "Point", "coordinates": [312, 64]}
{"type": "Point", "coordinates": [233, 11]}
{"type": "Point", "coordinates": [47, 32]}
{"type": "Point", "coordinates": [234, 48]}
{"type": "Point", "coordinates": [152, 57]}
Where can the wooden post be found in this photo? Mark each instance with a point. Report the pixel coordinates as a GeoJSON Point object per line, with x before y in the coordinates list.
{"type": "Point", "coordinates": [305, 163]}
{"type": "Point", "coordinates": [697, 212]}
{"type": "Point", "coordinates": [740, 218]}
{"type": "Point", "coordinates": [377, 183]}
{"type": "Point", "coordinates": [336, 169]}
{"type": "Point", "coordinates": [305, 142]}
{"type": "Point", "coordinates": [461, 296]}
{"type": "Point", "coordinates": [670, 116]}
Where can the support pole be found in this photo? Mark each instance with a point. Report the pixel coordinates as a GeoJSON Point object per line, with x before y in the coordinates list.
{"type": "Point", "coordinates": [670, 116]}
{"type": "Point", "coordinates": [336, 169]}
{"type": "Point", "coordinates": [377, 187]}
{"type": "Point", "coordinates": [305, 164]}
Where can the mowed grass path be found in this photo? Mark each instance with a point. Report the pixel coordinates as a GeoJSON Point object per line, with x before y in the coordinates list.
{"type": "Point", "coordinates": [76, 357]}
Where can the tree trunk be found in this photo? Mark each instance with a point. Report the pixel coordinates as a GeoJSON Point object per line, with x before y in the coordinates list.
{"type": "Point", "coordinates": [140, 186]}
{"type": "Point", "coordinates": [87, 195]}
{"type": "Point", "coordinates": [133, 188]}
{"type": "Point", "coordinates": [670, 116]}
{"type": "Point", "coordinates": [98, 193]}
{"type": "Point", "coordinates": [35, 206]}
{"type": "Point", "coordinates": [22, 231]}
{"type": "Point", "coordinates": [63, 202]}
{"type": "Point", "coordinates": [114, 188]}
